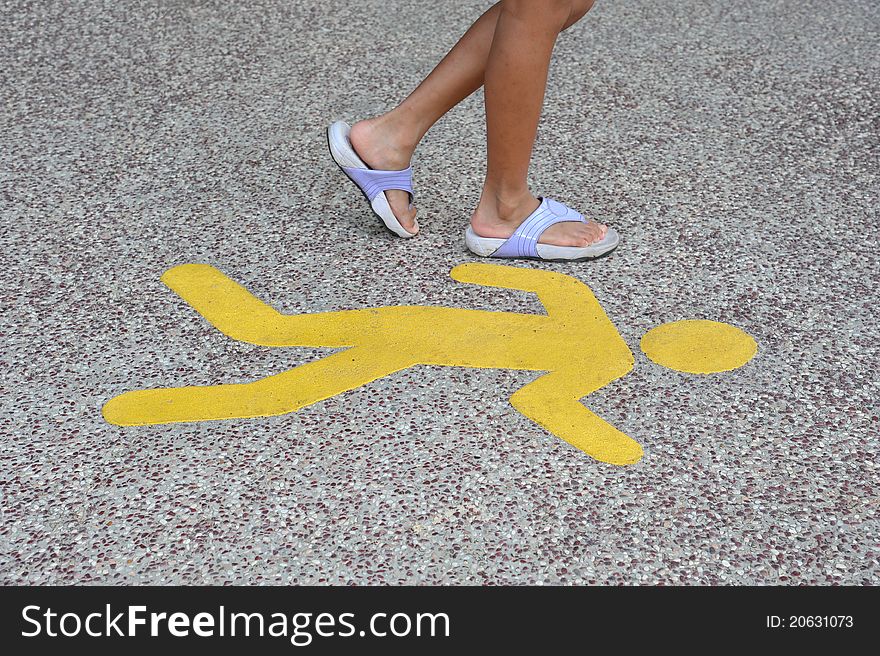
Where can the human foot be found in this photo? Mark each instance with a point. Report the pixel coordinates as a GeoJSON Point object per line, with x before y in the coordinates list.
{"type": "Point", "coordinates": [499, 220]}
{"type": "Point", "coordinates": [377, 145]}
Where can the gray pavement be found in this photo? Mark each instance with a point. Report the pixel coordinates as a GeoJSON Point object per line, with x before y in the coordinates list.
{"type": "Point", "coordinates": [733, 145]}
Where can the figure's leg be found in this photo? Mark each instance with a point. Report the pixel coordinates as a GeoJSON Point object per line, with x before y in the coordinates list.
{"type": "Point", "coordinates": [275, 395]}
{"type": "Point", "coordinates": [516, 77]}
{"type": "Point", "coordinates": [388, 141]}
{"type": "Point", "coordinates": [553, 402]}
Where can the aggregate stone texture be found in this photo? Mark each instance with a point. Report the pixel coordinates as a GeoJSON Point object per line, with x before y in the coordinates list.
{"type": "Point", "coordinates": [735, 148]}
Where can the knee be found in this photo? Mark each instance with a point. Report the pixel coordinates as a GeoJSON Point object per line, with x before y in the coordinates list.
{"type": "Point", "coordinates": [579, 9]}
{"type": "Point", "coordinates": [540, 9]}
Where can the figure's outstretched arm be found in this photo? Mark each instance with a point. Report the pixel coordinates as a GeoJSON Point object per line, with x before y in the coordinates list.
{"type": "Point", "coordinates": [228, 306]}
{"type": "Point", "coordinates": [562, 295]}
{"type": "Point", "coordinates": [553, 401]}
{"type": "Point", "coordinates": [234, 311]}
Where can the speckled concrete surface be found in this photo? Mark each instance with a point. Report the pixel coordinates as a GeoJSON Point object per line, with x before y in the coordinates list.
{"type": "Point", "coordinates": [733, 145]}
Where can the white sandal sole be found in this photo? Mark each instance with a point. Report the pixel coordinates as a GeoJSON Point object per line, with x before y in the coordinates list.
{"type": "Point", "coordinates": [485, 246]}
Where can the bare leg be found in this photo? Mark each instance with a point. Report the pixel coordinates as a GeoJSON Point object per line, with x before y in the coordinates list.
{"type": "Point", "coordinates": [516, 76]}
{"type": "Point", "coordinates": [388, 141]}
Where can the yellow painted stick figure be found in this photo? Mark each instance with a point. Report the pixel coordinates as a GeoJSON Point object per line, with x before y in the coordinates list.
{"type": "Point", "coordinates": [575, 344]}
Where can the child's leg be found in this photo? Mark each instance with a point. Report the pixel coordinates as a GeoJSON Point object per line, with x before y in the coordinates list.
{"type": "Point", "coordinates": [388, 141]}
{"type": "Point", "coordinates": [516, 76]}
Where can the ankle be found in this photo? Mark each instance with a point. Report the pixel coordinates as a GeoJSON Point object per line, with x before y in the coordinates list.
{"type": "Point", "coordinates": [505, 205]}
{"type": "Point", "coordinates": [379, 144]}
{"type": "Point", "coordinates": [400, 128]}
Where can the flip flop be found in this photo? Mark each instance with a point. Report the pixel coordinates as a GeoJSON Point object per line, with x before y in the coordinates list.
{"type": "Point", "coordinates": [524, 242]}
{"type": "Point", "coordinates": [372, 182]}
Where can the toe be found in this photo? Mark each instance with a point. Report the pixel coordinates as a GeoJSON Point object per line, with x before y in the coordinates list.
{"type": "Point", "coordinates": [411, 224]}
{"type": "Point", "coordinates": [403, 211]}
{"type": "Point", "coordinates": [591, 234]}
{"type": "Point", "coordinates": [577, 234]}
{"type": "Point", "coordinates": [596, 232]}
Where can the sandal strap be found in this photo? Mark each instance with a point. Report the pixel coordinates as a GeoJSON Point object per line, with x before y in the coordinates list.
{"type": "Point", "coordinates": [373, 182]}
{"type": "Point", "coordinates": [524, 242]}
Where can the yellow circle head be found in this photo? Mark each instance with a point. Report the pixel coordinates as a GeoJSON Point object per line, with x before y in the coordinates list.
{"type": "Point", "coordinates": [696, 346]}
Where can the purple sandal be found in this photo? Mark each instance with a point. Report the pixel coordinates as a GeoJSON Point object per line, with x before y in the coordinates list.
{"type": "Point", "coordinates": [524, 242]}
{"type": "Point", "coordinates": [372, 182]}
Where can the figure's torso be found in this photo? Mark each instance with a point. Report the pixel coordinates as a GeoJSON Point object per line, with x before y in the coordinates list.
{"type": "Point", "coordinates": [504, 340]}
